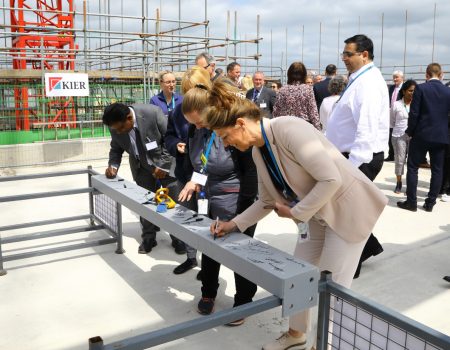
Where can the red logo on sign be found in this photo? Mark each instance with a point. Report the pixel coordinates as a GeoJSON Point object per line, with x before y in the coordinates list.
{"type": "Point", "coordinates": [54, 82]}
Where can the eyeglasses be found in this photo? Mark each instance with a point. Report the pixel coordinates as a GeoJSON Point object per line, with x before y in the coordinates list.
{"type": "Point", "coordinates": [207, 66]}
{"type": "Point", "coordinates": [349, 54]}
{"type": "Point", "coordinates": [273, 86]}
{"type": "Point", "coordinates": [168, 82]}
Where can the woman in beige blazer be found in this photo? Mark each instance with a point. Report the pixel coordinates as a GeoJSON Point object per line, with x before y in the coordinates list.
{"type": "Point", "coordinates": [321, 187]}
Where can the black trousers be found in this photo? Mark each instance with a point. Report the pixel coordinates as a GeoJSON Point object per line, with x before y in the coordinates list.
{"type": "Point", "coordinates": [445, 188]}
{"type": "Point", "coordinates": [245, 289]}
{"type": "Point", "coordinates": [144, 178]}
{"type": "Point", "coordinates": [417, 150]}
{"type": "Point", "coordinates": [371, 170]}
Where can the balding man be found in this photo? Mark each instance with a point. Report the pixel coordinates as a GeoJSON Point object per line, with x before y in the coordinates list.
{"type": "Point", "coordinates": [208, 62]}
{"type": "Point", "coordinates": [263, 97]}
{"type": "Point", "coordinates": [234, 73]}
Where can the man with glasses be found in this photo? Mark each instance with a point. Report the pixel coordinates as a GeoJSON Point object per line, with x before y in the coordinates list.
{"type": "Point", "coordinates": [359, 123]}
{"type": "Point", "coordinates": [208, 62]}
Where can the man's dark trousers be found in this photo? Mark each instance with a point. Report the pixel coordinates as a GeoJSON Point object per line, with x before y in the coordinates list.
{"type": "Point", "coordinates": [417, 150]}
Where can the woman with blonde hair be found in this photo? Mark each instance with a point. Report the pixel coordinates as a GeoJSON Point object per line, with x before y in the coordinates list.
{"type": "Point", "coordinates": [301, 176]}
{"type": "Point", "coordinates": [230, 187]}
{"type": "Point", "coordinates": [175, 140]}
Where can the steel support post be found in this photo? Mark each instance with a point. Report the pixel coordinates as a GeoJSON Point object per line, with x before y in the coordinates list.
{"type": "Point", "coordinates": [323, 321]}
{"type": "Point", "coordinates": [119, 249]}
{"type": "Point", "coordinates": [91, 196]}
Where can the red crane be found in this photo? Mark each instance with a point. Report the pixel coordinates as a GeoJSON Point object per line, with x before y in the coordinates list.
{"type": "Point", "coordinates": [42, 35]}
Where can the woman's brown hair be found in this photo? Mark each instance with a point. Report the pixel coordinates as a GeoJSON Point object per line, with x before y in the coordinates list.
{"type": "Point", "coordinates": [226, 105]}
{"type": "Point", "coordinates": [296, 73]}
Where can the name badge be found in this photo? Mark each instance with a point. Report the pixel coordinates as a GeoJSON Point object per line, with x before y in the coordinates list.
{"type": "Point", "coordinates": [202, 206]}
{"type": "Point", "coordinates": [263, 105]}
{"type": "Point", "coordinates": [199, 178]}
{"type": "Point", "coordinates": [151, 145]}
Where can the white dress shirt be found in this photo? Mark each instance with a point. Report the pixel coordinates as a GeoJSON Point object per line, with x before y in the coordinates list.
{"type": "Point", "coordinates": [359, 122]}
{"type": "Point", "coordinates": [399, 115]}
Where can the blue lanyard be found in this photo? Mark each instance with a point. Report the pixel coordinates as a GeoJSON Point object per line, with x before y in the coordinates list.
{"type": "Point", "coordinates": [207, 152]}
{"type": "Point", "coordinates": [278, 176]}
{"type": "Point", "coordinates": [349, 84]}
{"type": "Point", "coordinates": [173, 104]}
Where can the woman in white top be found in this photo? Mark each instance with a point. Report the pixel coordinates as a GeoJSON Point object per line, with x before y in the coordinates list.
{"type": "Point", "coordinates": [400, 141]}
{"type": "Point", "coordinates": [335, 87]}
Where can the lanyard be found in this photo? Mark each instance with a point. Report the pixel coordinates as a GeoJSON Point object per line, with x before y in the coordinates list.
{"type": "Point", "coordinates": [349, 84]}
{"type": "Point", "coordinates": [173, 104]}
{"type": "Point", "coordinates": [204, 157]}
{"type": "Point", "coordinates": [287, 192]}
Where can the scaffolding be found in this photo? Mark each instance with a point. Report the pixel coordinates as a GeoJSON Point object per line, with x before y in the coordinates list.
{"type": "Point", "coordinates": [120, 50]}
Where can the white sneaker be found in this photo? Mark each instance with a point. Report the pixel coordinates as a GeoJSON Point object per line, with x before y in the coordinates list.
{"type": "Point", "coordinates": [287, 341]}
{"type": "Point", "coordinates": [445, 198]}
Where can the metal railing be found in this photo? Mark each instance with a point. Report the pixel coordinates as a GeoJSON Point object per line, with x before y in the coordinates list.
{"type": "Point", "coordinates": [350, 321]}
{"type": "Point", "coordinates": [105, 212]}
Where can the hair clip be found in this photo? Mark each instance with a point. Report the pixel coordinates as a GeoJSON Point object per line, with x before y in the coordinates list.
{"type": "Point", "coordinates": [201, 86]}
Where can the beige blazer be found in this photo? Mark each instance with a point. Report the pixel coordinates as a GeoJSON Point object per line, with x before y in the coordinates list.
{"type": "Point", "coordinates": [326, 183]}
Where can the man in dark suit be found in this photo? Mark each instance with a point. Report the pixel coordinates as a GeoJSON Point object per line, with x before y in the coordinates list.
{"type": "Point", "coordinates": [263, 97]}
{"type": "Point", "coordinates": [139, 130]}
{"type": "Point", "coordinates": [428, 129]}
{"type": "Point", "coordinates": [321, 88]}
{"type": "Point", "coordinates": [394, 95]}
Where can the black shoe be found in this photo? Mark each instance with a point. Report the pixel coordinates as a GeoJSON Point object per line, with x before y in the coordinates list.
{"type": "Point", "coordinates": [180, 247]}
{"type": "Point", "coordinates": [428, 207]}
{"type": "Point", "coordinates": [186, 266]}
{"type": "Point", "coordinates": [205, 306]}
{"type": "Point", "coordinates": [398, 187]}
{"type": "Point", "coordinates": [389, 159]}
{"type": "Point", "coordinates": [447, 278]}
{"type": "Point", "coordinates": [147, 246]}
{"type": "Point", "coordinates": [407, 205]}
{"type": "Point", "coordinates": [199, 276]}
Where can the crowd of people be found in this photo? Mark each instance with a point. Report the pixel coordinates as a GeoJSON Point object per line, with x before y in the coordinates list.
{"type": "Point", "coordinates": [238, 149]}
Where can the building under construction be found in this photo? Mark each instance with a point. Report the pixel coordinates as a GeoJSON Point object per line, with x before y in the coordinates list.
{"type": "Point", "coordinates": [121, 52]}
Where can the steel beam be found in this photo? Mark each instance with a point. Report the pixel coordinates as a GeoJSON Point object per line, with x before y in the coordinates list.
{"type": "Point", "coordinates": [290, 279]}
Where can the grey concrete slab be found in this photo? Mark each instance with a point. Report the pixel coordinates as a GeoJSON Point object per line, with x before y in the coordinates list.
{"type": "Point", "coordinates": [59, 301]}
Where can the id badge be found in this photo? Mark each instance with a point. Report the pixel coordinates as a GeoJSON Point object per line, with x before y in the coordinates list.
{"type": "Point", "coordinates": [199, 178]}
{"type": "Point", "coordinates": [303, 231]}
{"type": "Point", "coordinates": [151, 145]}
{"type": "Point", "coordinates": [263, 105]}
{"type": "Point", "coordinates": [202, 205]}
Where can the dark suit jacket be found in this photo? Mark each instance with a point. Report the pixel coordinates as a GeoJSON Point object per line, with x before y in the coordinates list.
{"type": "Point", "coordinates": [391, 91]}
{"type": "Point", "coordinates": [321, 91]}
{"type": "Point", "coordinates": [152, 126]}
{"type": "Point", "coordinates": [267, 96]}
{"type": "Point", "coordinates": [428, 115]}
{"type": "Point", "coordinates": [177, 131]}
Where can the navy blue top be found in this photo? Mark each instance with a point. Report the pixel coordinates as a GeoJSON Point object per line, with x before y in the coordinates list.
{"type": "Point", "coordinates": [160, 101]}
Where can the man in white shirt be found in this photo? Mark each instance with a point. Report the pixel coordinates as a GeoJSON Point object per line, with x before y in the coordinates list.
{"type": "Point", "coordinates": [359, 123]}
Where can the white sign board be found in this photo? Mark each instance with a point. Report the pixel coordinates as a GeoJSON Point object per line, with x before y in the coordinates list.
{"type": "Point", "coordinates": [66, 84]}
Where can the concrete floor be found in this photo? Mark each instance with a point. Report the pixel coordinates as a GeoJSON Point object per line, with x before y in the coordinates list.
{"type": "Point", "coordinates": [59, 301]}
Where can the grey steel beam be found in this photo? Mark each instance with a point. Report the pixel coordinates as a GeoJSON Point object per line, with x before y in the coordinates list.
{"type": "Point", "coordinates": [45, 222]}
{"type": "Point", "coordinates": [292, 280]}
{"type": "Point", "coordinates": [187, 328]}
{"type": "Point", "coordinates": [22, 197]}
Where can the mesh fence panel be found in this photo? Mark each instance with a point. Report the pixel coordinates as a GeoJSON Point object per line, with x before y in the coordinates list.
{"type": "Point", "coordinates": [105, 210]}
{"type": "Point", "coordinates": [352, 327]}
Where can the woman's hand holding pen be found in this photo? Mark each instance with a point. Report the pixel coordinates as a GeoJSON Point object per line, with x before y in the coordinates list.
{"type": "Point", "coordinates": [221, 228]}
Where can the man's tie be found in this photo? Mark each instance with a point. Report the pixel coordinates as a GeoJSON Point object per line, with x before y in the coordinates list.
{"type": "Point", "coordinates": [255, 95]}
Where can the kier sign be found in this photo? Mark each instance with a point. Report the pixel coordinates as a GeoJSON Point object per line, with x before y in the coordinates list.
{"type": "Point", "coordinates": [66, 84]}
